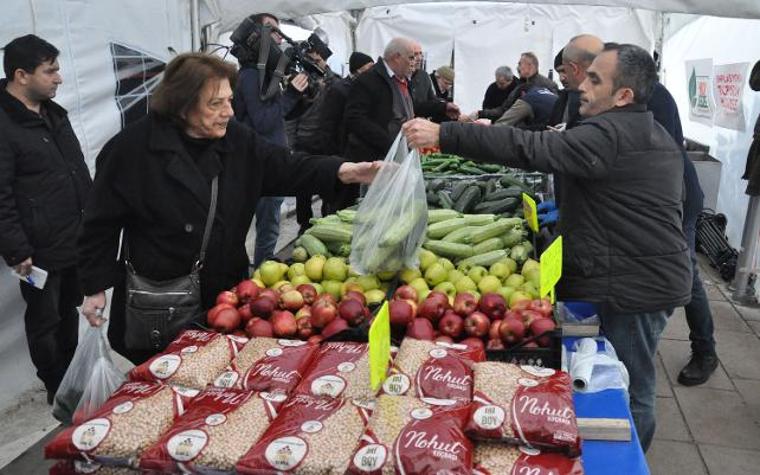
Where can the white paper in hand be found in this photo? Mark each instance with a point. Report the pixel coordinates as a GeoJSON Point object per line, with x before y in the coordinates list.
{"type": "Point", "coordinates": [36, 278]}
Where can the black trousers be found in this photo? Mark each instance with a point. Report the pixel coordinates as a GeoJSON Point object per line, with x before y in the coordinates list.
{"type": "Point", "coordinates": [52, 324]}
{"type": "Point", "coordinates": [303, 208]}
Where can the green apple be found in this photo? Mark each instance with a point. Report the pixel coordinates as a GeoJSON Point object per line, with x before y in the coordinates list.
{"type": "Point", "coordinates": [475, 294]}
{"type": "Point", "coordinates": [500, 270]}
{"type": "Point", "coordinates": [314, 267]}
{"type": "Point", "coordinates": [335, 269]}
{"type": "Point", "coordinates": [533, 276]}
{"type": "Point", "coordinates": [464, 268]}
{"type": "Point", "coordinates": [505, 292]}
{"type": "Point", "coordinates": [530, 264]}
{"type": "Point", "coordinates": [488, 284]}
{"type": "Point", "coordinates": [351, 271]}
{"type": "Point", "coordinates": [423, 295]}
{"type": "Point", "coordinates": [387, 275]}
{"type": "Point", "coordinates": [529, 289]}
{"type": "Point", "coordinates": [476, 273]}
{"type": "Point", "coordinates": [447, 264]}
{"type": "Point", "coordinates": [296, 269]}
{"type": "Point", "coordinates": [256, 275]}
{"type": "Point", "coordinates": [427, 259]}
{"type": "Point", "coordinates": [447, 288]}
{"type": "Point", "coordinates": [300, 279]}
{"type": "Point", "coordinates": [511, 263]}
{"type": "Point", "coordinates": [374, 296]}
{"type": "Point", "coordinates": [351, 283]}
{"type": "Point", "coordinates": [465, 284]}
{"type": "Point", "coordinates": [271, 272]}
{"type": "Point", "coordinates": [516, 296]}
{"type": "Point", "coordinates": [455, 275]}
{"type": "Point", "coordinates": [368, 282]}
{"type": "Point", "coordinates": [514, 280]}
{"type": "Point", "coordinates": [435, 274]}
{"type": "Point", "coordinates": [420, 286]}
{"type": "Point", "coordinates": [408, 275]}
{"type": "Point", "coordinates": [333, 287]}
{"type": "Point", "coordinates": [318, 287]}
{"type": "Point", "coordinates": [300, 254]}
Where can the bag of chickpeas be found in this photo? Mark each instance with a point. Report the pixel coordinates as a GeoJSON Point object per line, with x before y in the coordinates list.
{"type": "Point", "coordinates": [524, 405]}
{"type": "Point", "coordinates": [494, 458]}
{"type": "Point", "coordinates": [132, 419]}
{"type": "Point", "coordinates": [311, 435]}
{"type": "Point", "coordinates": [193, 360]}
{"type": "Point", "coordinates": [78, 467]}
{"type": "Point", "coordinates": [216, 431]}
{"type": "Point", "coordinates": [339, 369]}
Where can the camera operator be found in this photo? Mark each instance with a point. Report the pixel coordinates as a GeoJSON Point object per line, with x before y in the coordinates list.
{"type": "Point", "coordinates": [261, 103]}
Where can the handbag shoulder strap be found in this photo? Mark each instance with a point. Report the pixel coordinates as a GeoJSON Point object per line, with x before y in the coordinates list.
{"type": "Point", "coordinates": [209, 220]}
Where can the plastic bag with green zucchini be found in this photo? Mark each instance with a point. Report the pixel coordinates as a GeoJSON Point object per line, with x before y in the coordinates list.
{"type": "Point", "coordinates": [390, 224]}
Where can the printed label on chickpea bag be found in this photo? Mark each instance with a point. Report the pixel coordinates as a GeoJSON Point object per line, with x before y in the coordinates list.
{"type": "Point", "coordinates": [193, 359]}
{"type": "Point", "coordinates": [311, 434]}
{"type": "Point", "coordinates": [494, 458]}
{"type": "Point", "coordinates": [339, 369]}
{"type": "Point", "coordinates": [525, 405]}
{"type": "Point", "coordinates": [218, 428]}
{"type": "Point", "coordinates": [133, 418]}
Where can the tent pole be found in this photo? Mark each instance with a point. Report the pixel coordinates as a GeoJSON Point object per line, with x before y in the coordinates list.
{"type": "Point", "coordinates": [743, 293]}
{"type": "Point", "coordinates": [195, 24]}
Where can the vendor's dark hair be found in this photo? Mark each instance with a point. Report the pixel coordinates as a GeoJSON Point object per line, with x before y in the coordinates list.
{"type": "Point", "coordinates": [184, 78]}
{"type": "Point", "coordinates": [635, 70]}
{"type": "Point", "coordinates": [27, 53]}
{"type": "Point", "coordinates": [259, 18]}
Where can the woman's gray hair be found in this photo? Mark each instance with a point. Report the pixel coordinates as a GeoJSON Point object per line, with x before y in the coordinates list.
{"type": "Point", "coordinates": [504, 72]}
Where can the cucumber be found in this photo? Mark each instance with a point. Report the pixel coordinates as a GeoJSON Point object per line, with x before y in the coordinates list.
{"type": "Point", "coordinates": [444, 199]}
{"type": "Point", "coordinates": [458, 189]}
{"type": "Point", "coordinates": [470, 197]}
{"type": "Point", "coordinates": [497, 206]}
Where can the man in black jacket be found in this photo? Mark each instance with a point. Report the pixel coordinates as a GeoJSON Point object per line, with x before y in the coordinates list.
{"type": "Point", "coordinates": [44, 184]}
{"type": "Point", "coordinates": [624, 248]}
{"type": "Point", "coordinates": [499, 90]}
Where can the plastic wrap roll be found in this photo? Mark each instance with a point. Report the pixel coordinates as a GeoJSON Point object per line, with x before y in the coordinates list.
{"type": "Point", "coordinates": [582, 365]}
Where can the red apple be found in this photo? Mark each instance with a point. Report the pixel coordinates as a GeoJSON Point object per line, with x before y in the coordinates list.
{"type": "Point", "coordinates": [529, 316]}
{"type": "Point", "coordinates": [493, 332]}
{"type": "Point", "coordinates": [495, 344]}
{"type": "Point", "coordinates": [405, 292]}
{"type": "Point", "coordinates": [247, 290]}
{"type": "Point", "coordinates": [259, 327]}
{"type": "Point", "coordinates": [329, 298]}
{"type": "Point", "coordinates": [245, 313]}
{"type": "Point", "coordinates": [538, 327]}
{"type": "Point", "coordinates": [308, 292]}
{"type": "Point", "coordinates": [493, 305]}
{"type": "Point", "coordinates": [227, 296]}
{"type": "Point", "coordinates": [530, 344]}
{"type": "Point", "coordinates": [285, 288]}
{"type": "Point", "coordinates": [270, 294]}
{"type": "Point", "coordinates": [240, 333]}
{"type": "Point", "coordinates": [334, 327]}
{"type": "Point", "coordinates": [227, 320]}
{"type": "Point", "coordinates": [542, 306]}
{"type": "Point", "coordinates": [473, 343]}
{"type": "Point", "coordinates": [421, 329]}
{"type": "Point", "coordinates": [315, 339]}
{"type": "Point", "coordinates": [356, 295]}
{"type": "Point", "coordinates": [477, 324]}
{"type": "Point", "coordinates": [511, 331]}
{"type": "Point", "coordinates": [465, 303]}
{"type": "Point", "coordinates": [284, 323]}
{"type": "Point", "coordinates": [263, 306]}
{"type": "Point", "coordinates": [303, 312]}
{"type": "Point", "coordinates": [441, 297]}
{"type": "Point", "coordinates": [323, 312]}
{"type": "Point", "coordinates": [291, 300]}
{"type": "Point", "coordinates": [444, 339]}
{"type": "Point", "coordinates": [521, 304]}
{"type": "Point", "coordinates": [305, 330]}
{"type": "Point", "coordinates": [431, 309]}
{"type": "Point", "coordinates": [451, 324]}
{"type": "Point", "coordinates": [211, 315]}
{"type": "Point", "coordinates": [352, 311]}
{"type": "Point", "coordinates": [401, 313]}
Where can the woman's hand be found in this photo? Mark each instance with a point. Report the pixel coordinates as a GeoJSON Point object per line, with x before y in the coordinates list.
{"type": "Point", "coordinates": [421, 133]}
{"type": "Point", "coordinates": [92, 308]}
{"type": "Point", "coordinates": [359, 172]}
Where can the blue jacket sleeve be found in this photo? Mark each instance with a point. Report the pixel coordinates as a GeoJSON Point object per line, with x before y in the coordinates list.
{"type": "Point", "coordinates": [263, 117]}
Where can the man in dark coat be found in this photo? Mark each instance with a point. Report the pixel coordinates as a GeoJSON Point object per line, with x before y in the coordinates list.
{"type": "Point", "coordinates": [499, 90]}
{"type": "Point", "coordinates": [426, 101]}
{"type": "Point", "coordinates": [154, 179]}
{"type": "Point", "coordinates": [624, 246]}
{"type": "Point", "coordinates": [44, 184]}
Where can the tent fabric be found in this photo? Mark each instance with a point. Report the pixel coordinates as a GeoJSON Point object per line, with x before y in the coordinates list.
{"type": "Point", "coordinates": [233, 11]}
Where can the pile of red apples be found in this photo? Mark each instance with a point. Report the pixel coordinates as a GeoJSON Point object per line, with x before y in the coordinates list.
{"type": "Point", "coordinates": [488, 322]}
{"type": "Point", "coordinates": [287, 312]}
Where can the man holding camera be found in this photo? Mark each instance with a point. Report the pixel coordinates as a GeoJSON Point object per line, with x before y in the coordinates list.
{"type": "Point", "coordinates": [260, 103]}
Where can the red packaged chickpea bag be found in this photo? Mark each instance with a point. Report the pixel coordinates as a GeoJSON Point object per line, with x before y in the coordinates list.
{"type": "Point", "coordinates": [494, 458]}
{"type": "Point", "coordinates": [77, 467]}
{"type": "Point", "coordinates": [219, 427]}
{"type": "Point", "coordinates": [339, 369]}
{"type": "Point", "coordinates": [268, 365]}
{"type": "Point", "coordinates": [439, 374]}
{"type": "Point", "coordinates": [192, 360]}
{"type": "Point", "coordinates": [524, 405]}
{"type": "Point", "coordinates": [132, 419]}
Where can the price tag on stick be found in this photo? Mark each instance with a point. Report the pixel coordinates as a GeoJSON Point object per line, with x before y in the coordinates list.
{"type": "Point", "coordinates": [529, 209]}
{"type": "Point", "coordinates": [379, 347]}
{"type": "Point", "coordinates": [551, 267]}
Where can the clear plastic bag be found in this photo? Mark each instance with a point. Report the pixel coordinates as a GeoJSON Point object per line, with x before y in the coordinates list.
{"type": "Point", "coordinates": [90, 380]}
{"type": "Point", "coordinates": [391, 220]}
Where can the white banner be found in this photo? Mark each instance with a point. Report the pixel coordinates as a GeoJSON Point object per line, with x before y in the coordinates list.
{"type": "Point", "coordinates": [728, 88]}
{"type": "Point", "coordinates": [699, 78]}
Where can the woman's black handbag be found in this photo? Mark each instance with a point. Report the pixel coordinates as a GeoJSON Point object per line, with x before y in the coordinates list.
{"type": "Point", "coordinates": [156, 311]}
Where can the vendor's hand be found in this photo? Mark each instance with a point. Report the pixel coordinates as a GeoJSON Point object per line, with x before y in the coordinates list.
{"type": "Point", "coordinates": [93, 307]}
{"type": "Point", "coordinates": [24, 268]}
{"type": "Point", "coordinates": [360, 172]}
{"type": "Point", "coordinates": [452, 111]}
{"type": "Point", "coordinates": [421, 133]}
{"type": "Point", "coordinates": [546, 206]}
{"type": "Point", "coordinates": [300, 82]}
{"type": "Point", "coordinates": [549, 217]}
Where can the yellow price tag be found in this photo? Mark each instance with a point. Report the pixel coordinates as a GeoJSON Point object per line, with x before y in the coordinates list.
{"type": "Point", "coordinates": [379, 347]}
{"type": "Point", "coordinates": [529, 209]}
{"type": "Point", "coordinates": [551, 267]}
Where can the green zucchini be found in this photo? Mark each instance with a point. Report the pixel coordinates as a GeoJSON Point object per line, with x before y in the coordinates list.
{"type": "Point", "coordinates": [448, 249]}
{"type": "Point", "coordinates": [438, 215]}
{"type": "Point", "coordinates": [492, 244]}
{"type": "Point", "coordinates": [460, 235]}
{"type": "Point", "coordinates": [494, 229]}
{"type": "Point", "coordinates": [486, 260]}
{"type": "Point", "coordinates": [442, 228]}
{"type": "Point", "coordinates": [479, 219]}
